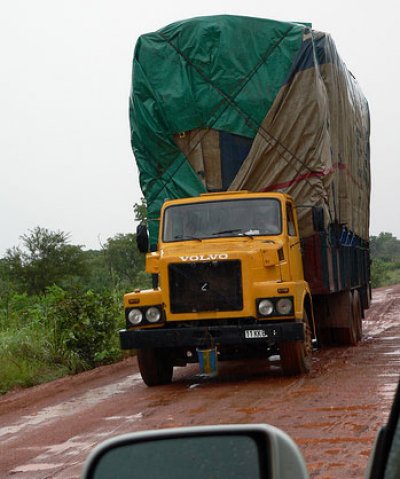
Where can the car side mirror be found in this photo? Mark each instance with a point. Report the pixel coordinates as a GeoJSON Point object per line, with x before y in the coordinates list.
{"type": "Point", "coordinates": [221, 452]}
{"type": "Point", "coordinates": [384, 460]}
{"type": "Point", "coordinates": [142, 238]}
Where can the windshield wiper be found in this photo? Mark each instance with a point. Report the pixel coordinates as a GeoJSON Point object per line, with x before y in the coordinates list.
{"type": "Point", "coordinates": [236, 230]}
{"type": "Point", "coordinates": [224, 232]}
{"type": "Point", "coordinates": [185, 237]}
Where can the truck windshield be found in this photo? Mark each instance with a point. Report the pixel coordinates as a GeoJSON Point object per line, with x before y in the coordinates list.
{"type": "Point", "coordinates": [213, 219]}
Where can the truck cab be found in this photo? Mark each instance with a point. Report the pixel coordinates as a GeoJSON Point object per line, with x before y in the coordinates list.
{"type": "Point", "coordinates": [229, 276]}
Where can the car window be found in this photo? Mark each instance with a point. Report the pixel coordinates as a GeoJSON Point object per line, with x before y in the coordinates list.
{"type": "Point", "coordinates": [290, 221]}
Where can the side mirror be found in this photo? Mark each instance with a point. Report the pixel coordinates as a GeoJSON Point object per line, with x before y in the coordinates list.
{"type": "Point", "coordinates": [318, 218]}
{"type": "Point", "coordinates": [221, 452]}
{"type": "Point", "coordinates": [142, 238]}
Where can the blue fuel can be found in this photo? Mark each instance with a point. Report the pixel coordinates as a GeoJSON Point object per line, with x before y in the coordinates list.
{"type": "Point", "coordinates": [208, 361]}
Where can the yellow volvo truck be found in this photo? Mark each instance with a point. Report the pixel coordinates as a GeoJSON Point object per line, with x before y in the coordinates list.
{"type": "Point", "coordinates": [251, 139]}
{"type": "Point", "coordinates": [230, 275]}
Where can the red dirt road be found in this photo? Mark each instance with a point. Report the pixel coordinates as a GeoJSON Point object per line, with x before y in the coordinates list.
{"type": "Point", "coordinates": [333, 413]}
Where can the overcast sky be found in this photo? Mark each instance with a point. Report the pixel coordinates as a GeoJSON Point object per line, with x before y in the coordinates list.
{"type": "Point", "coordinates": [65, 66]}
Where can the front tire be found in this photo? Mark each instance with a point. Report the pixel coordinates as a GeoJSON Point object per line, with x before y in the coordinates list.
{"type": "Point", "coordinates": [296, 356]}
{"type": "Point", "coordinates": [155, 367]}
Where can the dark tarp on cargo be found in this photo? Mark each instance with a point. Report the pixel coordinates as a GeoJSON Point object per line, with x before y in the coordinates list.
{"type": "Point", "coordinates": [230, 102]}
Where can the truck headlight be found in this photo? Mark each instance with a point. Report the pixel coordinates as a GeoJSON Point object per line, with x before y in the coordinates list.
{"type": "Point", "coordinates": [135, 316]}
{"type": "Point", "coordinates": [265, 307]}
{"type": "Point", "coordinates": [284, 306]}
{"type": "Point", "coordinates": [153, 315]}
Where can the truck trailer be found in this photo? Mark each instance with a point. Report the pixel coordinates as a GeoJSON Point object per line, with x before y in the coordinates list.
{"type": "Point", "coordinates": [252, 142]}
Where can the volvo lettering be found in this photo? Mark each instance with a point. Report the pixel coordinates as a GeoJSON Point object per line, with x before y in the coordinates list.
{"type": "Point", "coordinates": [210, 257]}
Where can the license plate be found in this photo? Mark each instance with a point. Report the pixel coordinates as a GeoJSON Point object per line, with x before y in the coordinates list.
{"type": "Point", "coordinates": [255, 333]}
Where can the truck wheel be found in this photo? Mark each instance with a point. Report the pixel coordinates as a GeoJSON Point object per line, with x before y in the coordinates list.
{"type": "Point", "coordinates": [155, 366]}
{"type": "Point", "coordinates": [357, 314]}
{"type": "Point", "coordinates": [351, 335]}
{"type": "Point", "coordinates": [296, 356]}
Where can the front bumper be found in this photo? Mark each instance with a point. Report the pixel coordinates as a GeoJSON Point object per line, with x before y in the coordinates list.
{"type": "Point", "coordinates": [207, 335]}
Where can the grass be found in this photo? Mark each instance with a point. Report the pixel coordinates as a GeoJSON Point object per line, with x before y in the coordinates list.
{"type": "Point", "coordinates": [25, 360]}
{"type": "Point", "coordinates": [394, 276]}
{"type": "Point", "coordinates": [23, 373]}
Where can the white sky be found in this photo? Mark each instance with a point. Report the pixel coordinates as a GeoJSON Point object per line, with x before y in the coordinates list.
{"type": "Point", "coordinates": [65, 66]}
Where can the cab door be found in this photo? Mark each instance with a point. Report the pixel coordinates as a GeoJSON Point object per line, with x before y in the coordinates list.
{"type": "Point", "coordinates": [295, 259]}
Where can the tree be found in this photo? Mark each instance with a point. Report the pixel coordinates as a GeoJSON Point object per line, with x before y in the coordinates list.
{"type": "Point", "coordinates": [5, 291]}
{"type": "Point", "coordinates": [46, 258]}
{"type": "Point", "coordinates": [140, 210]}
{"type": "Point", "coordinates": [385, 255]}
{"type": "Point", "coordinates": [126, 264]}
{"type": "Point", "coordinates": [385, 247]}
{"type": "Point", "coordinates": [99, 277]}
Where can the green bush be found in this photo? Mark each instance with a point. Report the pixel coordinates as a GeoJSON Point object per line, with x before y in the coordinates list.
{"type": "Point", "coordinates": [379, 273]}
{"type": "Point", "coordinates": [84, 327]}
{"type": "Point", "coordinates": [62, 332]}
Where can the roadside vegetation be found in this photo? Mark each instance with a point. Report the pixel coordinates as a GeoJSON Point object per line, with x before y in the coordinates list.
{"type": "Point", "coordinates": [385, 255]}
{"type": "Point", "coordinates": [61, 306]}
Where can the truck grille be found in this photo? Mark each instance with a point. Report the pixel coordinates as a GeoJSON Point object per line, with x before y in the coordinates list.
{"type": "Point", "coordinates": [206, 286]}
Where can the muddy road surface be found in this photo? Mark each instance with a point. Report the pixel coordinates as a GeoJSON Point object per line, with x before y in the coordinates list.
{"type": "Point", "coordinates": [333, 413]}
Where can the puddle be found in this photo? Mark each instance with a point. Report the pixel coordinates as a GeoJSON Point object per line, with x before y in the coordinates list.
{"type": "Point", "coordinates": [71, 407]}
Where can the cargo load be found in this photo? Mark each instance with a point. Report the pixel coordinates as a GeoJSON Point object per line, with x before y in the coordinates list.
{"type": "Point", "coordinates": [237, 103]}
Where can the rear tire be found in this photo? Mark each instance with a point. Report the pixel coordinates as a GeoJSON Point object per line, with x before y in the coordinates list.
{"type": "Point", "coordinates": [357, 314]}
{"type": "Point", "coordinates": [351, 335]}
{"type": "Point", "coordinates": [155, 366]}
{"type": "Point", "coordinates": [296, 356]}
